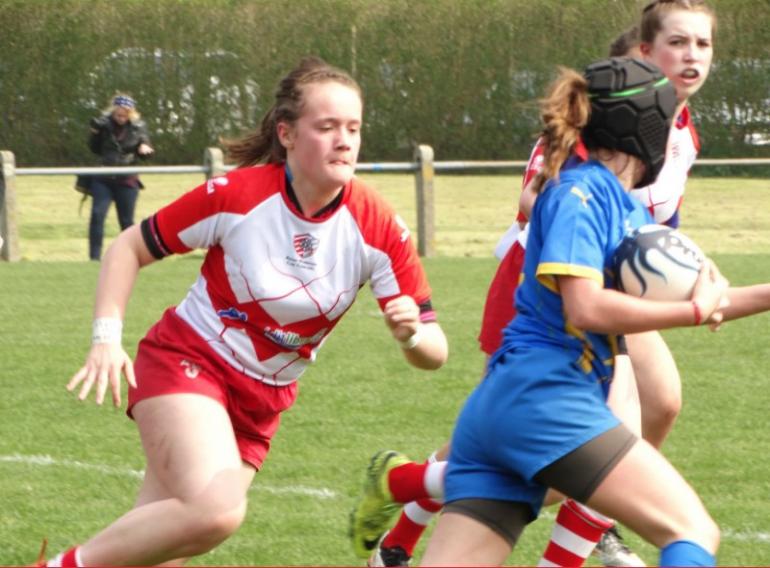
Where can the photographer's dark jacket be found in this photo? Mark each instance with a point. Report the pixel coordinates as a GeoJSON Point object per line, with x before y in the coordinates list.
{"type": "Point", "coordinates": [117, 145]}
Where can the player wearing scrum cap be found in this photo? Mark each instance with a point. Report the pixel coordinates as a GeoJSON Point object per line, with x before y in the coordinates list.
{"type": "Point", "coordinates": [539, 419]}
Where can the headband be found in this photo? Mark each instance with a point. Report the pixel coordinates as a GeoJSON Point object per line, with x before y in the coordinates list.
{"type": "Point", "coordinates": [124, 101]}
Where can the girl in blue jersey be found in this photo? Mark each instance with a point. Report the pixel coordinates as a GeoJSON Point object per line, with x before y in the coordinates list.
{"type": "Point", "coordinates": [540, 418]}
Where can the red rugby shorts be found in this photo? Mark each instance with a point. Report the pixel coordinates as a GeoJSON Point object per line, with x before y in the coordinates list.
{"type": "Point", "coordinates": [173, 358]}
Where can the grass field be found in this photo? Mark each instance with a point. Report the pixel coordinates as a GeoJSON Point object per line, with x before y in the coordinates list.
{"type": "Point", "coordinates": [67, 469]}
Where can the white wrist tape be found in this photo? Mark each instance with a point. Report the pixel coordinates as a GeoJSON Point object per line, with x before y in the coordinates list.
{"type": "Point", "coordinates": [106, 330]}
{"type": "Point", "coordinates": [412, 342]}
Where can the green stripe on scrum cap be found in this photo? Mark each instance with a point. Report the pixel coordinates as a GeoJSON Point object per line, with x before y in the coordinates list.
{"type": "Point", "coordinates": [635, 90]}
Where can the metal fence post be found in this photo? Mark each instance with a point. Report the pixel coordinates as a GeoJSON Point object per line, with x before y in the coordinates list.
{"type": "Point", "coordinates": [423, 179]}
{"type": "Point", "coordinates": [214, 162]}
{"type": "Point", "coordinates": [8, 229]}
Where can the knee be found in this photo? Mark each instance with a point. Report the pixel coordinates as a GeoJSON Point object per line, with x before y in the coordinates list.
{"type": "Point", "coordinates": [705, 534]}
{"type": "Point", "coordinates": [221, 525]}
{"type": "Point", "coordinates": [711, 534]}
{"type": "Point", "coordinates": [700, 529]}
{"type": "Point", "coordinates": [212, 521]}
{"type": "Point", "coordinates": [661, 409]}
{"type": "Point", "coordinates": [658, 422]}
{"type": "Point", "coordinates": [668, 408]}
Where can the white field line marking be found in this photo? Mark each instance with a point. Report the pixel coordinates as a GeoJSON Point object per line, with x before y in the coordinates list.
{"type": "Point", "coordinates": [745, 536]}
{"type": "Point", "coordinates": [322, 493]}
{"type": "Point", "coordinates": [727, 534]}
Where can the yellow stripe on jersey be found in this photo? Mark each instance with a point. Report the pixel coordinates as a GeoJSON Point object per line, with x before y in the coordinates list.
{"type": "Point", "coordinates": [549, 282]}
{"type": "Point", "coordinates": [547, 270]}
{"type": "Point", "coordinates": [587, 357]}
{"type": "Point", "coordinates": [614, 348]}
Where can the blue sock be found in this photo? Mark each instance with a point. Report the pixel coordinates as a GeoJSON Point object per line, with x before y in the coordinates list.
{"type": "Point", "coordinates": [685, 553]}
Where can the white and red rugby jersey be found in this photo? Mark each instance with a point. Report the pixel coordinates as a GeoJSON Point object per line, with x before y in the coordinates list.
{"type": "Point", "coordinates": [274, 282]}
{"type": "Point", "coordinates": [519, 229]}
{"type": "Point", "coordinates": [664, 197]}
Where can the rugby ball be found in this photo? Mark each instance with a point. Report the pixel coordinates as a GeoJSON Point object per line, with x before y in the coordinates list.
{"type": "Point", "coordinates": [657, 262]}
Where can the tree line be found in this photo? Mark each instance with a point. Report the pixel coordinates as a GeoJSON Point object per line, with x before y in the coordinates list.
{"type": "Point", "coordinates": [461, 75]}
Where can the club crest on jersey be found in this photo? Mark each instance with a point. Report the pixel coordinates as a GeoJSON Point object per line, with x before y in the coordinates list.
{"type": "Point", "coordinates": [190, 369]}
{"type": "Point", "coordinates": [305, 245]}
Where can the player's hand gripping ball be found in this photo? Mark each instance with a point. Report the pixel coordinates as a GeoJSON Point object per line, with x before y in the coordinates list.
{"type": "Point", "coordinates": [657, 263]}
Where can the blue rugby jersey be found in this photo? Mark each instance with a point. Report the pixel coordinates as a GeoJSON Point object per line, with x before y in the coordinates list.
{"type": "Point", "coordinates": [576, 225]}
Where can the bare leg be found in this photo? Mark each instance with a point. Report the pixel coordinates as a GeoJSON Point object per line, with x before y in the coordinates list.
{"type": "Point", "coordinates": [649, 496]}
{"type": "Point", "coordinates": [194, 495]}
{"type": "Point", "coordinates": [623, 398]}
{"type": "Point", "coordinates": [151, 491]}
{"type": "Point", "coordinates": [643, 491]}
{"type": "Point", "coordinates": [660, 387]}
{"type": "Point", "coordinates": [478, 545]}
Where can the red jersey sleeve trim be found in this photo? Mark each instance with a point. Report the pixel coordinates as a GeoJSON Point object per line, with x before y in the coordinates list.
{"type": "Point", "coordinates": [153, 239]}
{"type": "Point", "coordinates": [427, 313]}
{"type": "Point", "coordinates": [684, 120]}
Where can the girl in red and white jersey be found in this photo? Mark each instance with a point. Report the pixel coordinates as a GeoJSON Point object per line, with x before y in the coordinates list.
{"type": "Point", "coordinates": [291, 237]}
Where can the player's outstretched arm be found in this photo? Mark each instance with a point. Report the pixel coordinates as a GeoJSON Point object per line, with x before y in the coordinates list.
{"type": "Point", "coordinates": [747, 301]}
{"type": "Point", "coordinates": [107, 358]}
{"type": "Point", "coordinates": [591, 307]}
{"type": "Point", "coordinates": [424, 344]}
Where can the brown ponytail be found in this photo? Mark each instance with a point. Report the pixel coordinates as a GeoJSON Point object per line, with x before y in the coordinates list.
{"type": "Point", "coordinates": [263, 146]}
{"type": "Point", "coordinates": [564, 111]}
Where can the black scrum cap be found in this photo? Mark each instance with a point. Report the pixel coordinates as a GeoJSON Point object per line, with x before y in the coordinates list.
{"type": "Point", "coordinates": [632, 104]}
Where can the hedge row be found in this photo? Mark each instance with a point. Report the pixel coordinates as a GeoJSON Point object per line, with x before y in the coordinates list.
{"type": "Point", "coordinates": [461, 75]}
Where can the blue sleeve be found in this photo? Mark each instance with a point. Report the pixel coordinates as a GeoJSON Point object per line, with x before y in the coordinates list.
{"type": "Point", "coordinates": [574, 234]}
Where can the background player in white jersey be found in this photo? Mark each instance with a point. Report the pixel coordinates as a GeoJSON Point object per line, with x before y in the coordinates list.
{"type": "Point", "coordinates": [290, 242]}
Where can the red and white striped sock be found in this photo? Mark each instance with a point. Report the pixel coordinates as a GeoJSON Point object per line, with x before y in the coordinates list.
{"type": "Point", "coordinates": [411, 524]}
{"type": "Point", "coordinates": [67, 559]}
{"type": "Point", "coordinates": [417, 514]}
{"type": "Point", "coordinates": [415, 481]}
{"type": "Point", "coordinates": [577, 531]}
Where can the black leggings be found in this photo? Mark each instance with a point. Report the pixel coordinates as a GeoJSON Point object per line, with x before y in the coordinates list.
{"type": "Point", "coordinates": [576, 475]}
{"type": "Point", "coordinates": [103, 193]}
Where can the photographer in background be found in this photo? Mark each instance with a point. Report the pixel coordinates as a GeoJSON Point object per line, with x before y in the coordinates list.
{"type": "Point", "coordinates": [118, 136]}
